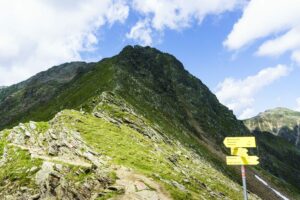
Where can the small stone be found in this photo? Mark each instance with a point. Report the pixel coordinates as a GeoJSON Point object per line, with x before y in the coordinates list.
{"type": "Point", "coordinates": [23, 189]}
{"type": "Point", "coordinates": [53, 151]}
{"type": "Point", "coordinates": [117, 188]}
{"type": "Point", "coordinates": [222, 194]}
{"type": "Point", "coordinates": [58, 167]}
{"type": "Point", "coordinates": [33, 169]}
{"type": "Point", "coordinates": [141, 186]}
{"type": "Point", "coordinates": [22, 126]}
{"type": "Point", "coordinates": [53, 136]}
{"type": "Point", "coordinates": [178, 185]}
{"type": "Point", "coordinates": [186, 157]}
{"type": "Point", "coordinates": [178, 152]}
{"type": "Point", "coordinates": [94, 159]}
{"type": "Point", "coordinates": [203, 185]}
{"type": "Point", "coordinates": [35, 197]}
{"type": "Point", "coordinates": [44, 172]}
{"type": "Point", "coordinates": [27, 134]}
{"type": "Point", "coordinates": [156, 175]}
{"type": "Point", "coordinates": [53, 181]}
{"type": "Point", "coordinates": [186, 180]}
{"type": "Point", "coordinates": [55, 174]}
{"type": "Point", "coordinates": [212, 193]}
{"type": "Point", "coordinates": [87, 185]}
{"type": "Point", "coordinates": [173, 159]}
{"type": "Point", "coordinates": [32, 125]}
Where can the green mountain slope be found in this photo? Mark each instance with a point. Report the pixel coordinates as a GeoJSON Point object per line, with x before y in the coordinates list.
{"type": "Point", "coordinates": [18, 100]}
{"type": "Point", "coordinates": [167, 107]}
{"type": "Point", "coordinates": [152, 80]}
{"type": "Point", "coordinates": [98, 155]}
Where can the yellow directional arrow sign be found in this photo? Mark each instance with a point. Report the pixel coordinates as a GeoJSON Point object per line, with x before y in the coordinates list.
{"type": "Point", "coordinates": [239, 152]}
{"type": "Point", "coordinates": [240, 156]}
{"type": "Point", "coordinates": [237, 160]}
{"type": "Point", "coordinates": [232, 142]}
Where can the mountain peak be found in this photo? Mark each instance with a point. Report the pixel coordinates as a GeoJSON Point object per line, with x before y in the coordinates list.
{"type": "Point", "coordinates": [279, 110]}
{"type": "Point", "coordinates": [145, 60]}
{"type": "Point", "coordinates": [280, 121]}
{"type": "Point", "coordinates": [137, 48]}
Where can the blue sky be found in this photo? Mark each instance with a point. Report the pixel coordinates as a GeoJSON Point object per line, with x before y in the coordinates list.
{"type": "Point", "coordinates": [245, 52]}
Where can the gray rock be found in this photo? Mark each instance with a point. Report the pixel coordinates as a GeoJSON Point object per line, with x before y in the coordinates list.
{"type": "Point", "coordinates": [32, 125]}
{"type": "Point", "coordinates": [117, 188]}
{"type": "Point", "coordinates": [53, 150]}
{"type": "Point", "coordinates": [23, 189]}
{"type": "Point", "coordinates": [27, 134]}
{"type": "Point", "coordinates": [186, 180]}
{"type": "Point", "coordinates": [58, 167]}
{"type": "Point", "coordinates": [178, 185]}
{"type": "Point", "coordinates": [33, 169]}
{"type": "Point", "coordinates": [35, 196]}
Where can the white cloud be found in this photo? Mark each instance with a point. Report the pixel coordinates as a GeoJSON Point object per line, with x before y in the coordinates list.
{"type": "Point", "coordinates": [279, 45]}
{"type": "Point", "coordinates": [239, 94]}
{"type": "Point", "coordinates": [247, 113]}
{"type": "Point", "coordinates": [296, 56]}
{"type": "Point", "coordinates": [141, 32]}
{"type": "Point", "coordinates": [35, 35]}
{"type": "Point", "coordinates": [176, 14]}
{"type": "Point", "coordinates": [278, 20]}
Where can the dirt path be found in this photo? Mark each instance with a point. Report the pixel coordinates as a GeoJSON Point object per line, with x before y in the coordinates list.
{"type": "Point", "coordinates": [139, 187]}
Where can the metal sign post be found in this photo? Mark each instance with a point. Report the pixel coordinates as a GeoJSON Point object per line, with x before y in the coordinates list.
{"type": "Point", "coordinates": [243, 170]}
{"type": "Point", "coordinates": [240, 155]}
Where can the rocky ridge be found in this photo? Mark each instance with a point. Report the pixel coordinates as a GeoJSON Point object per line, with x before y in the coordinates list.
{"type": "Point", "coordinates": [281, 122]}
{"type": "Point", "coordinates": [59, 153]}
{"type": "Point", "coordinates": [64, 159]}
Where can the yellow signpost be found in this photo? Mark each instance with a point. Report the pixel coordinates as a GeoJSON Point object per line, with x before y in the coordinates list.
{"type": "Point", "coordinates": [240, 155]}
{"type": "Point", "coordinates": [233, 142]}
{"type": "Point", "coordinates": [238, 160]}
{"type": "Point", "coordinates": [239, 151]}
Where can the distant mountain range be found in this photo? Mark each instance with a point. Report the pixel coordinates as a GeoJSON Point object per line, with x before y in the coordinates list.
{"type": "Point", "coordinates": [133, 125]}
{"type": "Point", "coordinates": [281, 122]}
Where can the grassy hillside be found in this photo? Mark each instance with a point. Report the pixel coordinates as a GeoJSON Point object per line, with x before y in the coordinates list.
{"type": "Point", "coordinates": [19, 100]}
{"type": "Point", "coordinates": [151, 80]}
{"type": "Point", "coordinates": [54, 158]}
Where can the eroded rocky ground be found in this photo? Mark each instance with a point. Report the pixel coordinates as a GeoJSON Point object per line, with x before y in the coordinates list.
{"type": "Point", "coordinates": [110, 153]}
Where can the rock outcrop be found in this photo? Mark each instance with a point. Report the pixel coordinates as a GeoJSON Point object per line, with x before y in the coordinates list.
{"type": "Point", "coordinates": [110, 153]}
{"type": "Point", "coordinates": [62, 154]}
